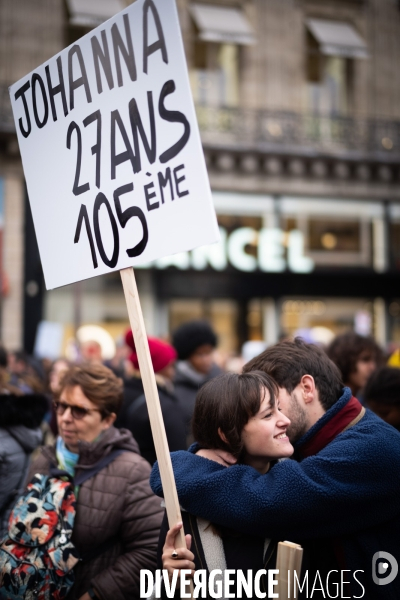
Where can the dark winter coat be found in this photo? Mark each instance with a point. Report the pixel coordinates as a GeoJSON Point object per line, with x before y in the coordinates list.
{"type": "Point", "coordinates": [136, 419]}
{"type": "Point", "coordinates": [186, 385]}
{"type": "Point", "coordinates": [133, 388]}
{"type": "Point", "coordinates": [20, 417]}
{"type": "Point", "coordinates": [339, 498]}
{"type": "Point", "coordinates": [118, 504]}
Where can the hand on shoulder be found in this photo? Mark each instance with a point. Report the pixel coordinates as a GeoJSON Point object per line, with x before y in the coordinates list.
{"type": "Point", "coordinates": [220, 456]}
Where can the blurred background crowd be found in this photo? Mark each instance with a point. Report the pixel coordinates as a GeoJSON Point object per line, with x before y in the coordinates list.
{"type": "Point", "coordinates": [78, 411]}
{"type": "Point", "coordinates": [182, 364]}
{"type": "Point", "coordinates": [298, 111]}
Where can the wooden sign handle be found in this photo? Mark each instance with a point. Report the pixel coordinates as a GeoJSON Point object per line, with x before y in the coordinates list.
{"type": "Point", "coordinates": [152, 399]}
{"type": "Point", "coordinates": [288, 560]}
{"type": "Point", "coordinates": [153, 403]}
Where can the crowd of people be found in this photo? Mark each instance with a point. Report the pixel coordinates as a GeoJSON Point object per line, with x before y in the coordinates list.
{"type": "Point", "coordinates": [334, 412]}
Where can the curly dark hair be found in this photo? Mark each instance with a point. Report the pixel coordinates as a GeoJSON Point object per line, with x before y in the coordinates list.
{"type": "Point", "coordinates": [190, 336]}
{"type": "Point", "coordinates": [345, 351]}
{"type": "Point", "coordinates": [384, 386]}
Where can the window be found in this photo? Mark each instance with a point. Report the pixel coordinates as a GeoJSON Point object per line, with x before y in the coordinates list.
{"type": "Point", "coordinates": [329, 85]}
{"type": "Point", "coordinates": [337, 233]}
{"type": "Point", "coordinates": [223, 316]}
{"type": "Point", "coordinates": [330, 242]}
{"type": "Point", "coordinates": [215, 76]}
{"type": "Point", "coordinates": [331, 48]}
{"type": "Point", "coordinates": [340, 236]}
{"type": "Point", "coordinates": [218, 33]}
{"type": "Point", "coordinates": [328, 81]}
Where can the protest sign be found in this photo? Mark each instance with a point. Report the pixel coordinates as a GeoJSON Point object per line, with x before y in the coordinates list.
{"type": "Point", "coordinates": [111, 150]}
{"type": "Point", "coordinates": [114, 166]}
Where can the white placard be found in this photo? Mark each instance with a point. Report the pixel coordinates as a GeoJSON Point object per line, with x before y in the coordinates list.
{"type": "Point", "coordinates": [111, 149]}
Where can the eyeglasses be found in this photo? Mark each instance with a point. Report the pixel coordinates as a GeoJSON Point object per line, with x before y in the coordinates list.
{"type": "Point", "coordinates": [77, 412]}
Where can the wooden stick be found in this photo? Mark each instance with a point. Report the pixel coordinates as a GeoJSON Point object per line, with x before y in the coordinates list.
{"type": "Point", "coordinates": [153, 401]}
{"type": "Point", "coordinates": [288, 561]}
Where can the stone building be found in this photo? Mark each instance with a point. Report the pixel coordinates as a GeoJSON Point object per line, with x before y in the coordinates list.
{"type": "Point", "coordinates": [298, 103]}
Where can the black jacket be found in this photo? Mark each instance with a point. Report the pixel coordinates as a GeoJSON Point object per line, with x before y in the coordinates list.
{"type": "Point", "coordinates": [133, 388]}
{"type": "Point", "coordinates": [186, 388]}
{"type": "Point", "coordinates": [20, 434]}
{"type": "Point", "coordinates": [135, 417]}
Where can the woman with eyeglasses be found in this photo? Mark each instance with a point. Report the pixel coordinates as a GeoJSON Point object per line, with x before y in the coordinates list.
{"type": "Point", "coordinates": [117, 517]}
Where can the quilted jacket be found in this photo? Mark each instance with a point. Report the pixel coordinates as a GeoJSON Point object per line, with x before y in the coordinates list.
{"type": "Point", "coordinates": [117, 502]}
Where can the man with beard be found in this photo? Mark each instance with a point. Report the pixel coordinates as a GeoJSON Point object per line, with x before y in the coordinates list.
{"type": "Point", "coordinates": [338, 498]}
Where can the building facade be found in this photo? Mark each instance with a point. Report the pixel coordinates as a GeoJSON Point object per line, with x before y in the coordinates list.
{"type": "Point", "coordinates": [298, 103]}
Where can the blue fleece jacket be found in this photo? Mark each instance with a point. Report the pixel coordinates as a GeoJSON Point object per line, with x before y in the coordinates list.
{"type": "Point", "coordinates": [347, 496]}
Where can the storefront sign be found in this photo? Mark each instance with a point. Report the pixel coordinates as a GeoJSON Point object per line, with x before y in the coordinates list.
{"type": "Point", "coordinates": [276, 251]}
{"type": "Point", "coordinates": [111, 149]}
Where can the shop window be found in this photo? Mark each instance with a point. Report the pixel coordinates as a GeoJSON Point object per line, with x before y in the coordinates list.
{"type": "Point", "coordinates": [289, 224]}
{"type": "Point", "coordinates": [254, 320]}
{"type": "Point", "coordinates": [181, 311]}
{"type": "Point", "coordinates": [330, 242]}
{"type": "Point", "coordinates": [320, 319]}
{"type": "Point", "coordinates": [395, 245]}
{"type": "Point", "coordinates": [338, 236]}
{"type": "Point", "coordinates": [222, 314]}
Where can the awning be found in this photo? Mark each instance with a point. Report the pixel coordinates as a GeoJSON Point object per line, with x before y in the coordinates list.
{"type": "Point", "coordinates": [91, 13]}
{"type": "Point", "coordinates": [337, 38]}
{"type": "Point", "coordinates": [221, 24]}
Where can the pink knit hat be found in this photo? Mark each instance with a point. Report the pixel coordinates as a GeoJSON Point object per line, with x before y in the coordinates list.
{"type": "Point", "coordinates": [162, 354]}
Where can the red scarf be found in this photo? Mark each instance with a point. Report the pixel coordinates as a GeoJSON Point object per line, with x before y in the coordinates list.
{"type": "Point", "coordinates": [349, 415]}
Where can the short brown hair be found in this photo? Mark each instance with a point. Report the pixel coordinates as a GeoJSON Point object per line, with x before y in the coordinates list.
{"type": "Point", "coordinates": [227, 402]}
{"type": "Point", "coordinates": [98, 383]}
{"type": "Point", "coordinates": [289, 360]}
